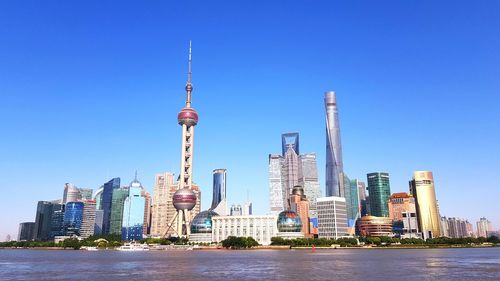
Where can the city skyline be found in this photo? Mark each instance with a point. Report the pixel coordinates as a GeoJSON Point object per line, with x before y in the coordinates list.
{"type": "Point", "coordinates": [79, 124]}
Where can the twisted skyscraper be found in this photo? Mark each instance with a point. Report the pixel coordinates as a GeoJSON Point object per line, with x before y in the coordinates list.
{"type": "Point", "coordinates": [334, 165]}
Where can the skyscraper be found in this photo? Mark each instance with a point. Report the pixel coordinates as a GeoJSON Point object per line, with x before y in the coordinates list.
{"type": "Point", "coordinates": [106, 203]}
{"type": "Point", "coordinates": [161, 203]}
{"type": "Point", "coordinates": [289, 140]}
{"type": "Point", "coordinates": [119, 196]}
{"type": "Point", "coordinates": [219, 203]}
{"type": "Point", "coordinates": [422, 188]}
{"type": "Point", "coordinates": [71, 193]}
{"type": "Point", "coordinates": [332, 217]}
{"type": "Point", "coordinates": [43, 219]}
{"type": "Point", "coordinates": [26, 231]}
{"type": "Point", "coordinates": [133, 213]}
{"type": "Point", "coordinates": [73, 217]}
{"type": "Point", "coordinates": [290, 168]}
{"type": "Point", "coordinates": [334, 164]}
{"type": "Point", "coordinates": [184, 199]}
{"type": "Point", "coordinates": [276, 187]}
{"type": "Point", "coordinates": [379, 190]}
{"type": "Point", "coordinates": [483, 227]}
{"type": "Point", "coordinates": [308, 179]}
{"type": "Point", "coordinates": [362, 198]}
{"type": "Point", "coordinates": [88, 220]}
{"type": "Point", "coordinates": [147, 211]}
{"type": "Point", "coordinates": [355, 211]}
{"type": "Point", "coordinates": [300, 205]}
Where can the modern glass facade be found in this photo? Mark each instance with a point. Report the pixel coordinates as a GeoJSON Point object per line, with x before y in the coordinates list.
{"type": "Point", "coordinates": [219, 192]}
{"type": "Point", "coordinates": [290, 173]}
{"type": "Point", "coordinates": [26, 231]}
{"type": "Point", "coordinates": [308, 179]}
{"type": "Point", "coordinates": [334, 164]}
{"type": "Point", "coordinates": [43, 220]}
{"type": "Point", "coordinates": [73, 217]}
{"type": "Point", "coordinates": [119, 196]}
{"type": "Point", "coordinates": [289, 140]}
{"type": "Point", "coordinates": [354, 203]}
{"type": "Point", "coordinates": [133, 214]}
{"type": "Point", "coordinates": [379, 190]}
{"type": "Point", "coordinates": [57, 221]}
{"type": "Point", "coordinates": [422, 188]}
{"type": "Point", "coordinates": [106, 203]}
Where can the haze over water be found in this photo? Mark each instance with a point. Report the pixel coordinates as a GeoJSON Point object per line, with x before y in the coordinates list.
{"type": "Point", "coordinates": [353, 264]}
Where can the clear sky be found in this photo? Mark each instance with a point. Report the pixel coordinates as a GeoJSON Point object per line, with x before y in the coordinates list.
{"type": "Point", "coordinates": [91, 90]}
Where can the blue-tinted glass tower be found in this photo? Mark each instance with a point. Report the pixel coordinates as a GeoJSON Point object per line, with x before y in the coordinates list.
{"type": "Point", "coordinates": [133, 213]}
{"type": "Point", "coordinates": [73, 216]}
{"type": "Point", "coordinates": [290, 139]}
{"type": "Point", "coordinates": [219, 192]}
{"type": "Point", "coordinates": [107, 197]}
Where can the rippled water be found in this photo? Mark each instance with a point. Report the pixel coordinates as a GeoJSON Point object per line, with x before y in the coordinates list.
{"type": "Point", "coordinates": [355, 264]}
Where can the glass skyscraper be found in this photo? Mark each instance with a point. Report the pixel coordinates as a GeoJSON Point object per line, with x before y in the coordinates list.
{"type": "Point", "coordinates": [289, 140]}
{"type": "Point", "coordinates": [106, 202]}
{"type": "Point", "coordinates": [133, 213]}
{"type": "Point", "coordinates": [43, 219]}
{"type": "Point", "coordinates": [219, 203]}
{"type": "Point", "coordinates": [57, 221]}
{"type": "Point", "coordinates": [119, 196]}
{"type": "Point", "coordinates": [379, 191]}
{"type": "Point", "coordinates": [308, 179]}
{"type": "Point", "coordinates": [334, 164]}
{"type": "Point", "coordinates": [73, 217]}
{"type": "Point", "coordinates": [26, 231]}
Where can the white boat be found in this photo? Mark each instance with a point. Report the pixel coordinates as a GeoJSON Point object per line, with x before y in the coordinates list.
{"type": "Point", "coordinates": [133, 247]}
{"type": "Point", "coordinates": [91, 248]}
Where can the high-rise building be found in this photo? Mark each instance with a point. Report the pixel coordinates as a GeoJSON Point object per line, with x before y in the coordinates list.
{"type": "Point", "coordinates": [99, 214]}
{"type": "Point", "coordinates": [353, 205]}
{"type": "Point", "coordinates": [247, 208]}
{"type": "Point", "coordinates": [161, 203]}
{"type": "Point", "coordinates": [98, 198]}
{"type": "Point", "coordinates": [276, 186]}
{"type": "Point", "coordinates": [290, 140]}
{"type": "Point", "coordinates": [483, 227]}
{"type": "Point", "coordinates": [290, 171]}
{"type": "Point", "coordinates": [422, 188]}
{"type": "Point", "coordinates": [73, 217]}
{"type": "Point", "coordinates": [147, 211]}
{"type": "Point", "coordinates": [71, 193]}
{"type": "Point", "coordinates": [456, 228]}
{"type": "Point", "coordinates": [43, 219]}
{"type": "Point", "coordinates": [85, 193]}
{"type": "Point", "coordinates": [351, 198]}
{"type": "Point", "coordinates": [380, 191]}
{"type": "Point", "coordinates": [363, 200]}
{"type": "Point", "coordinates": [119, 196]}
{"type": "Point", "coordinates": [300, 205]}
{"type": "Point", "coordinates": [26, 231]}
{"type": "Point", "coordinates": [308, 179]}
{"type": "Point", "coordinates": [236, 210]}
{"type": "Point", "coordinates": [219, 203]}
{"type": "Point", "coordinates": [106, 203]}
{"type": "Point", "coordinates": [332, 217]}
{"type": "Point", "coordinates": [400, 203]}
{"type": "Point", "coordinates": [133, 213]}
{"type": "Point", "coordinates": [57, 221]}
{"type": "Point", "coordinates": [184, 199]}
{"type": "Point", "coordinates": [334, 164]}
{"type": "Point", "coordinates": [89, 219]}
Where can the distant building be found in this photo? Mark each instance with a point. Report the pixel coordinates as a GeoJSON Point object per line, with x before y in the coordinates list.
{"type": "Point", "coordinates": [334, 163]}
{"type": "Point", "coordinates": [300, 205]}
{"type": "Point", "coordinates": [133, 213]}
{"type": "Point", "coordinates": [57, 221]}
{"type": "Point", "coordinates": [375, 226]}
{"type": "Point", "coordinates": [219, 203]}
{"type": "Point", "coordinates": [85, 193]}
{"type": "Point", "coordinates": [71, 193]}
{"type": "Point", "coordinates": [89, 219]}
{"type": "Point", "coordinates": [118, 199]}
{"type": "Point", "coordinates": [380, 191]}
{"type": "Point", "coordinates": [261, 228]}
{"type": "Point", "coordinates": [147, 212]}
{"type": "Point", "coordinates": [98, 198]}
{"type": "Point", "coordinates": [247, 208]}
{"type": "Point", "coordinates": [43, 219]}
{"type": "Point", "coordinates": [483, 227]}
{"type": "Point", "coordinates": [400, 203]}
{"type": "Point", "coordinates": [99, 214]}
{"type": "Point", "coordinates": [363, 200]}
{"type": "Point", "coordinates": [276, 187]}
{"type": "Point", "coordinates": [161, 199]}
{"type": "Point", "coordinates": [73, 217]}
{"type": "Point", "coordinates": [290, 165]}
{"type": "Point", "coordinates": [26, 231]}
{"type": "Point", "coordinates": [457, 228]}
{"type": "Point", "coordinates": [354, 202]}
{"type": "Point", "coordinates": [106, 203]}
{"type": "Point", "coordinates": [308, 179]}
{"type": "Point", "coordinates": [351, 199]}
{"type": "Point", "coordinates": [422, 188]}
{"type": "Point", "coordinates": [236, 210]}
{"type": "Point", "coordinates": [332, 217]}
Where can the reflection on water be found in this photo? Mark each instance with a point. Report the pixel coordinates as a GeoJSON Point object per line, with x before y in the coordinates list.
{"type": "Point", "coordinates": [362, 264]}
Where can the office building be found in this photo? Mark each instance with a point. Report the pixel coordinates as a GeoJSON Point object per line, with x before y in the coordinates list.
{"type": "Point", "coordinates": [300, 205]}
{"type": "Point", "coordinates": [26, 231]}
{"type": "Point", "coordinates": [99, 214]}
{"type": "Point", "coordinates": [219, 203]}
{"type": "Point", "coordinates": [98, 198]}
{"type": "Point", "coordinates": [276, 186]}
{"type": "Point", "coordinates": [380, 191]}
{"type": "Point", "coordinates": [375, 226]}
{"type": "Point", "coordinates": [43, 219]}
{"type": "Point", "coordinates": [106, 203]}
{"type": "Point", "coordinates": [118, 199]}
{"type": "Point", "coordinates": [57, 221]}
{"type": "Point", "coordinates": [422, 189]}
{"type": "Point", "coordinates": [247, 208]}
{"type": "Point", "coordinates": [334, 164]}
{"type": "Point", "coordinates": [456, 228]}
{"type": "Point", "coordinates": [260, 228]}
{"type": "Point", "coordinates": [85, 193]}
{"type": "Point", "coordinates": [363, 200]}
{"type": "Point", "coordinates": [308, 179]}
{"type": "Point", "coordinates": [354, 202]}
{"type": "Point", "coordinates": [73, 217]}
{"type": "Point", "coordinates": [290, 164]}
{"type": "Point", "coordinates": [400, 203]}
{"type": "Point", "coordinates": [71, 193]}
{"type": "Point", "coordinates": [332, 217]}
{"type": "Point", "coordinates": [160, 206]}
{"type": "Point", "coordinates": [483, 227]}
{"type": "Point", "coordinates": [147, 211]}
{"type": "Point", "coordinates": [133, 213]}
{"type": "Point", "coordinates": [89, 219]}
{"type": "Point", "coordinates": [236, 210]}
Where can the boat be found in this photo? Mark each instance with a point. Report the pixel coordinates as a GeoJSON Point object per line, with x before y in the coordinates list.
{"type": "Point", "coordinates": [133, 247]}
{"type": "Point", "coordinates": [89, 248]}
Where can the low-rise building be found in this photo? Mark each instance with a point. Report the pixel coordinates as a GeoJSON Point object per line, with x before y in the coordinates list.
{"type": "Point", "coordinates": [375, 226]}
{"type": "Point", "coordinates": [261, 228]}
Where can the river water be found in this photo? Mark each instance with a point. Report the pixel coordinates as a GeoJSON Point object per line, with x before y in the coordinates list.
{"type": "Point", "coordinates": [340, 264]}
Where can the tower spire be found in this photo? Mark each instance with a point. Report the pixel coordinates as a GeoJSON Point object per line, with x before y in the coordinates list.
{"type": "Point", "coordinates": [189, 86]}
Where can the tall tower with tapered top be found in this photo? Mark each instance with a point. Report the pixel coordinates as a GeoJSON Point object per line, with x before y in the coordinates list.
{"type": "Point", "coordinates": [184, 199]}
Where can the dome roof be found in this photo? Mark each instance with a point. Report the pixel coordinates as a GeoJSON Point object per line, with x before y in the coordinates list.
{"type": "Point", "coordinates": [289, 221]}
{"type": "Point", "coordinates": [202, 223]}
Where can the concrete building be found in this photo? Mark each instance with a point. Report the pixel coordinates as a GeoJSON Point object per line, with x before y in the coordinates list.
{"type": "Point", "coordinates": [457, 228]}
{"type": "Point", "coordinates": [147, 211]}
{"type": "Point", "coordinates": [162, 202]}
{"type": "Point", "coordinates": [400, 203]}
{"type": "Point", "coordinates": [247, 208]}
{"type": "Point", "coordinates": [332, 217]}
{"type": "Point", "coordinates": [236, 210]}
{"type": "Point", "coordinates": [300, 205]}
{"type": "Point", "coordinates": [26, 231]}
{"type": "Point", "coordinates": [276, 186]}
{"type": "Point", "coordinates": [362, 199]}
{"type": "Point", "coordinates": [261, 228]}
{"type": "Point", "coordinates": [219, 201]}
{"type": "Point", "coordinates": [308, 179]}
{"type": "Point", "coordinates": [483, 227]}
{"type": "Point", "coordinates": [375, 226]}
{"type": "Point", "coordinates": [380, 190]}
{"type": "Point", "coordinates": [290, 168]}
{"type": "Point", "coordinates": [422, 188]}
{"type": "Point", "coordinates": [89, 217]}
{"type": "Point", "coordinates": [334, 163]}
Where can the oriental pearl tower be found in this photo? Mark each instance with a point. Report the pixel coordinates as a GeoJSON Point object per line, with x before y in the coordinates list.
{"type": "Point", "coordinates": [184, 199]}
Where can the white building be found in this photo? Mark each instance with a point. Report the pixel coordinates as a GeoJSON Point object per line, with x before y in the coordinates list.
{"type": "Point", "coordinates": [483, 227]}
{"type": "Point", "coordinates": [332, 217]}
{"type": "Point", "coordinates": [260, 228]}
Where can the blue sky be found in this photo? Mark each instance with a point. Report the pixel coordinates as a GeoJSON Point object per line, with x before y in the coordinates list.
{"type": "Point", "coordinates": [91, 91]}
